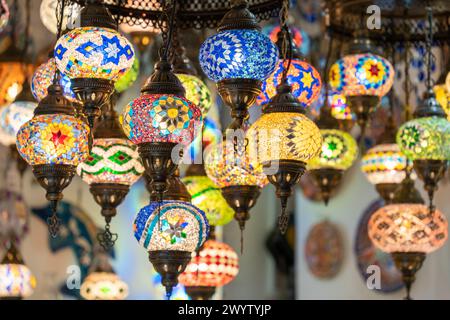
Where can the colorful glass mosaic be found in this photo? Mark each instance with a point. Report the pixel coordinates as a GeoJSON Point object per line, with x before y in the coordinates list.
{"type": "Point", "coordinates": [211, 134]}
{"type": "Point", "coordinates": [111, 161]}
{"type": "Point", "coordinates": [384, 163]}
{"type": "Point", "coordinates": [407, 228]}
{"type": "Point", "coordinates": [91, 52]}
{"type": "Point", "coordinates": [443, 97]}
{"type": "Point", "coordinates": [284, 136]}
{"type": "Point", "coordinates": [43, 78]}
{"type": "Point", "coordinates": [425, 138]}
{"type": "Point", "coordinates": [196, 91]}
{"type": "Point", "coordinates": [12, 117]}
{"type": "Point", "coordinates": [12, 77]}
{"type": "Point", "coordinates": [226, 167]}
{"type": "Point", "coordinates": [16, 281]}
{"type": "Point", "coordinates": [207, 197]}
{"type": "Point", "coordinates": [240, 53]}
{"type": "Point", "coordinates": [215, 265]}
{"type": "Point", "coordinates": [362, 74]}
{"type": "Point", "coordinates": [13, 216]}
{"type": "Point", "coordinates": [339, 151]}
{"type": "Point", "coordinates": [103, 286]}
{"type": "Point", "coordinates": [339, 107]}
{"type": "Point", "coordinates": [303, 77]}
{"type": "Point", "coordinates": [127, 80]}
{"type": "Point", "coordinates": [161, 118]}
{"type": "Point", "coordinates": [171, 225]}
{"type": "Point", "coordinates": [53, 139]}
{"type": "Point", "coordinates": [300, 37]}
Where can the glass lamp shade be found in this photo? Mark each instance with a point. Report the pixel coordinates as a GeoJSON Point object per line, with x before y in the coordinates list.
{"type": "Point", "coordinates": [111, 161]}
{"type": "Point", "coordinates": [362, 74]}
{"type": "Point", "coordinates": [53, 139]}
{"type": "Point", "coordinates": [92, 52]}
{"type": "Point", "coordinates": [127, 80]}
{"type": "Point", "coordinates": [407, 228]}
{"type": "Point", "coordinates": [215, 265]}
{"type": "Point", "coordinates": [443, 97]}
{"type": "Point", "coordinates": [237, 54]}
{"type": "Point", "coordinates": [12, 117]}
{"type": "Point", "coordinates": [207, 197]}
{"type": "Point", "coordinates": [12, 77]}
{"type": "Point", "coordinates": [13, 216]}
{"type": "Point", "coordinates": [16, 281]}
{"type": "Point", "coordinates": [339, 107]}
{"type": "Point", "coordinates": [384, 163]}
{"type": "Point", "coordinates": [425, 138]}
{"type": "Point", "coordinates": [284, 136]}
{"type": "Point", "coordinates": [161, 118]}
{"type": "Point", "coordinates": [103, 286]}
{"type": "Point", "coordinates": [300, 37]}
{"type": "Point", "coordinates": [303, 77]}
{"type": "Point", "coordinates": [196, 91]}
{"type": "Point", "coordinates": [48, 16]}
{"type": "Point", "coordinates": [171, 225]}
{"type": "Point", "coordinates": [227, 167]}
{"type": "Point", "coordinates": [43, 78]}
{"type": "Point", "coordinates": [339, 151]}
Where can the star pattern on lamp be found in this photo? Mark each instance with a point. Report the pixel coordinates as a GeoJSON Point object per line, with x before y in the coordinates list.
{"type": "Point", "coordinates": [58, 138]}
{"type": "Point", "coordinates": [173, 229]}
{"type": "Point", "coordinates": [110, 49]}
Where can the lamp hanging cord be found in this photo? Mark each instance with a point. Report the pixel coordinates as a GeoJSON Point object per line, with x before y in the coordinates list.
{"type": "Point", "coordinates": [60, 7]}
{"type": "Point", "coordinates": [325, 72]}
{"type": "Point", "coordinates": [27, 38]}
{"type": "Point", "coordinates": [429, 43]}
{"type": "Point", "coordinates": [286, 44]}
{"type": "Point", "coordinates": [167, 35]}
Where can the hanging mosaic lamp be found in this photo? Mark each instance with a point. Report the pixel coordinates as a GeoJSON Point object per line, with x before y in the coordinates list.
{"type": "Point", "coordinates": [339, 151]}
{"type": "Point", "coordinates": [43, 78]}
{"type": "Point", "coordinates": [384, 164]}
{"type": "Point", "coordinates": [102, 283]}
{"type": "Point", "coordinates": [94, 56]}
{"type": "Point", "coordinates": [363, 78]}
{"type": "Point", "coordinates": [158, 120]}
{"type": "Point", "coordinates": [239, 178]}
{"type": "Point", "coordinates": [301, 76]}
{"type": "Point", "coordinates": [238, 58]}
{"type": "Point", "coordinates": [207, 196]}
{"type": "Point", "coordinates": [16, 280]}
{"type": "Point", "coordinates": [196, 90]}
{"type": "Point", "coordinates": [170, 230]}
{"type": "Point", "coordinates": [284, 140]}
{"type": "Point", "coordinates": [215, 265]}
{"type": "Point", "coordinates": [112, 166]}
{"type": "Point", "coordinates": [13, 74]}
{"type": "Point", "coordinates": [408, 230]}
{"type": "Point", "coordinates": [341, 111]}
{"type": "Point", "coordinates": [54, 142]}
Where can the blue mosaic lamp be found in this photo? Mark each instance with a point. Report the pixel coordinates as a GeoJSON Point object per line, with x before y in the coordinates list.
{"type": "Point", "coordinates": [238, 58]}
{"type": "Point", "coordinates": [94, 56]}
{"type": "Point", "coordinates": [170, 231]}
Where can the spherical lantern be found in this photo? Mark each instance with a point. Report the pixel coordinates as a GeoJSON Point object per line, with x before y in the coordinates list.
{"type": "Point", "coordinates": [339, 151]}
{"type": "Point", "coordinates": [215, 265]}
{"type": "Point", "coordinates": [207, 197]}
{"type": "Point", "coordinates": [384, 166]}
{"type": "Point", "coordinates": [126, 80]}
{"type": "Point", "coordinates": [196, 91]}
{"type": "Point", "coordinates": [170, 231]}
{"type": "Point", "coordinates": [12, 117]}
{"type": "Point", "coordinates": [103, 286]}
{"type": "Point", "coordinates": [94, 56]}
{"type": "Point", "coordinates": [425, 138]}
{"type": "Point", "coordinates": [13, 216]}
{"type": "Point", "coordinates": [16, 279]}
{"type": "Point", "coordinates": [54, 142]}
{"type": "Point", "coordinates": [53, 139]}
{"type": "Point", "coordinates": [111, 161]}
{"type": "Point", "coordinates": [238, 58]}
{"type": "Point", "coordinates": [43, 78]}
{"type": "Point", "coordinates": [303, 77]}
{"type": "Point", "coordinates": [363, 78]}
{"type": "Point", "coordinates": [49, 18]}
{"type": "Point", "coordinates": [341, 110]}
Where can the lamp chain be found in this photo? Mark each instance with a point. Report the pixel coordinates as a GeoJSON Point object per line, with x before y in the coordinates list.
{"type": "Point", "coordinates": [60, 6]}
{"type": "Point", "coordinates": [107, 239]}
{"type": "Point", "coordinates": [429, 43]}
{"type": "Point", "coordinates": [286, 44]}
{"type": "Point", "coordinates": [326, 108]}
